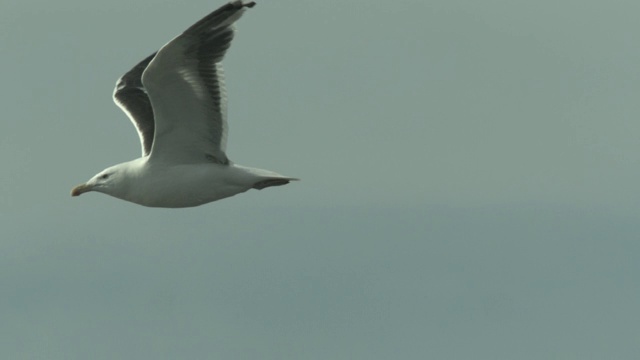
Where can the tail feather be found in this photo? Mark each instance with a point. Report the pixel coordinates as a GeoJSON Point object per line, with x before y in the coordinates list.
{"type": "Point", "coordinates": [272, 182]}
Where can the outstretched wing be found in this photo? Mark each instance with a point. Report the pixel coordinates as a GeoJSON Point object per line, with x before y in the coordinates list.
{"type": "Point", "coordinates": [184, 82]}
{"type": "Point", "coordinates": [131, 96]}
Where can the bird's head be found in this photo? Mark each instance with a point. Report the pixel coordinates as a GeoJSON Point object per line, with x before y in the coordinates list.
{"type": "Point", "coordinates": [102, 182]}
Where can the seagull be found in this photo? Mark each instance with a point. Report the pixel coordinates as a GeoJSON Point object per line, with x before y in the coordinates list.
{"type": "Point", "coordinates": [176, 100]}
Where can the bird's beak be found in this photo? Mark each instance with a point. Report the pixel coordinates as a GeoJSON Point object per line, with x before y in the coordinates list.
{"type": "Point", "coordinates": [81, 189]}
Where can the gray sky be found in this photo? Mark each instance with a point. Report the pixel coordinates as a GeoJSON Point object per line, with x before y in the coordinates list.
{"type": "Point", "coordinates": [469, 185]}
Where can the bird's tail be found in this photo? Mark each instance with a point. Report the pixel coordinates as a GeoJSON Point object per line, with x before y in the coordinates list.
{"type": "Point", "coordinates": [273, 181]}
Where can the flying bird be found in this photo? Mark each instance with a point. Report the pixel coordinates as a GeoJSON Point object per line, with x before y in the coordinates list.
{"type": "Point", "coordinates": [176, 100]}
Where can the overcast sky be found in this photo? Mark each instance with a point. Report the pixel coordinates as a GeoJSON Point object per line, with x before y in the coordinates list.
{"type": "Point", "coordinates": [469, 188]}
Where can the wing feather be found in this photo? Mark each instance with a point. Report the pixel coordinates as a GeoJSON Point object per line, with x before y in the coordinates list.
{"type": "Point", "coordinates": [131, 96]}
{"type": "Point", "coordinates": [185, 85]}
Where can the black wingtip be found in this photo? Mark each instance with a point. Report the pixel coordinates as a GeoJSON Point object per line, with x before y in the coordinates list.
{"type": "Point", "coordinates": [238, 4]}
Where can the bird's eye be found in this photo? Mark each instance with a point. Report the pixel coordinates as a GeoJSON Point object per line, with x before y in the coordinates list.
{"type": "Point", "coordinates": [104, 177]}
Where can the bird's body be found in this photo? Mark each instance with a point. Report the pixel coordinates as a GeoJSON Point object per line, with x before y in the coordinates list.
{"type": "Point", "coordinates": [142, 180]}
{"type": "Point", "coordinates": [177, 102]}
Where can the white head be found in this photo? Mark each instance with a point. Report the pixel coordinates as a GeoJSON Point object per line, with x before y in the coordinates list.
{"type": "Point", "coordinates": [108, 181]}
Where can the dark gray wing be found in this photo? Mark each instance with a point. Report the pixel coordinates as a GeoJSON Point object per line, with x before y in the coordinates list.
{"type": "Point", "coordinates": [131, 96]}
{"type": "Point", "coordinates": [185, 84]}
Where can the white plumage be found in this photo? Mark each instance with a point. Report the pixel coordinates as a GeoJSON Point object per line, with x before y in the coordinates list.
{"type": "Point", "coordinates": [177, 102]}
